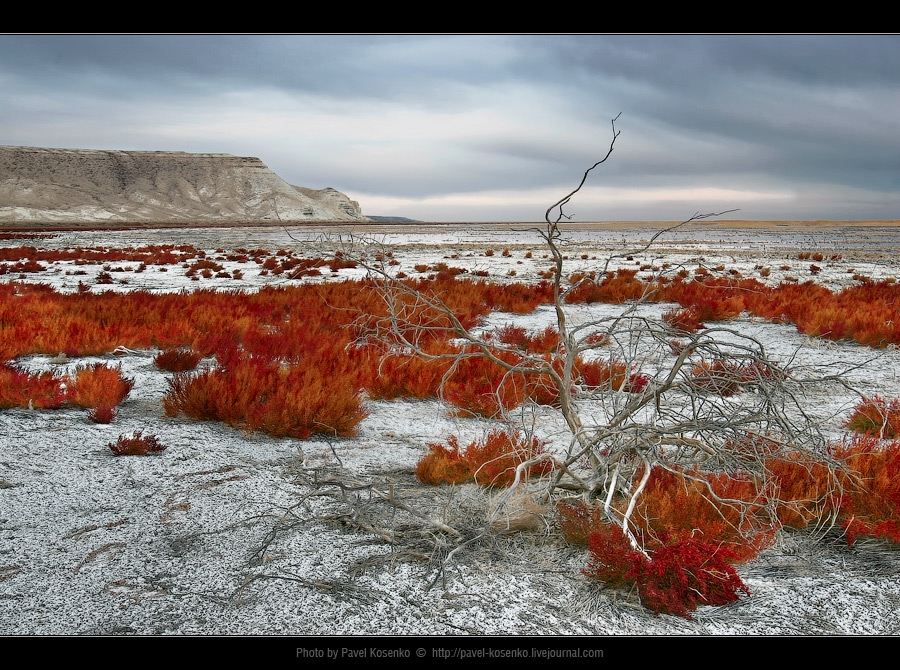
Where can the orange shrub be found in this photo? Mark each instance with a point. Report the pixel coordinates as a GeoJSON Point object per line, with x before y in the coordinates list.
{"type": "Point", "coordinates": [613, 375]}
{"type": "Point", "coordinates": [316, 395]}
{"type": "Point", "coordinates": [98, 385]}
{"type": "Point", "coordinates": [804, 489]}
{"type": "Point", "coordinates": [545, 342]}
{"type": "Point", "coordinates": [408, 376]}
{"type": "Point", "coordinates": [712, 299]}
{"type": "Point", "coordinates": [577, 520]}
{"type": "Point", "coordinates": [177, 360]}
{"type": "Point", "coordinates": [676, 504]}
{"type": "Point", "coordinates": [481, 387]}
{"type": "Point", "coordinates": [719, 376]}
{"type": "Point", "coordinates": [489, 462]}
{"type": "Point", "coordinates": [615, 288]}
{"type": "Point", "coordinates": [876, 416]}
{"type": "Point", "coordinates": [683, 320]}
{"type": "Point", "coordinates": [136, 445]}
{"type": "Point", "coordinates": [41, 390]}
{"type": "Point", "coordinates": [444, 464]}
{"type": "Point", "coordinates": [871, 501]}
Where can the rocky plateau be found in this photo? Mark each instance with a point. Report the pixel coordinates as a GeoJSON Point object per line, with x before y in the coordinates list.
{"type": "Point", "coordinates": [40, 186]}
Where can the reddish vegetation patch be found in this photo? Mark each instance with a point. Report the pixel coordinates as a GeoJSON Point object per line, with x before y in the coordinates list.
{"type": "Point", "coordinates": [876, 416]}
{"type": "Point", "coordinates": [297, 400]}
{"type": "Point", "coordinates": [103, 414]}
{"type": "Point", "coordinates": [612, 375]}
{"type": "Point", "coordinates": [136, 445]}
{"type": "Point", "coordinates": [689, 520]}
{"type": "Point", "coordinates": [481, 387]}
{"type": "Point", "coordinates": [93, 386]}
{"type": "Point", "coordinates": [489, 462]}
{"type": "Point", "coordinates": [177, 360]}
{"type": "Point", "coordinates": [678, 576]}
{"type": "Point", "coordinates": [870, 506]}
{"type": "Point", "coordinates": [615, 288]}
{"type": "Point", "coordinates": [19, 388]}
{"type": "Point", "coordinates": [98, 385]}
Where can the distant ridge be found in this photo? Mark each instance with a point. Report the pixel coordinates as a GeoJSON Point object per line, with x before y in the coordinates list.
{"type": "Point", "coordinates": [393, 219]}
{"type": "Point", "coordinates": [41, 185]}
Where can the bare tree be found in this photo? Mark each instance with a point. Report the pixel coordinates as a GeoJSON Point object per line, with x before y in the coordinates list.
{"type": "Point", "coordinates": [714, 399]}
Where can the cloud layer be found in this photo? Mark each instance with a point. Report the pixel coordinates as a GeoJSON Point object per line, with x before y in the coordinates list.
{"type": "Point", "coordinates": [493, 128]}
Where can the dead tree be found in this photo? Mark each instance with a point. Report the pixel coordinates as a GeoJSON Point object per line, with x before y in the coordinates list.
{"type": "Point", "coordinates": [719, 402]}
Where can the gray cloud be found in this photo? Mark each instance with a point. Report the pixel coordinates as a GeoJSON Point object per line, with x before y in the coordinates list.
{"type": "Point", "coordinates": [417, 119]}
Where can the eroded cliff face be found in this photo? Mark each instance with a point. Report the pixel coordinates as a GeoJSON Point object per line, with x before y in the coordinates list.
{"type": "Point", "coordinates": [80, 185]}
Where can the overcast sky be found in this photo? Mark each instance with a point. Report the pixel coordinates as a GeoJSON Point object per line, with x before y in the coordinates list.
{"type": "Point", "coordinates": [493, 128]}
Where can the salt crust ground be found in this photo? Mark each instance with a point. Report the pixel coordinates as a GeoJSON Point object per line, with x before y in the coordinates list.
{"type": "Point", "coordinates": [167, 544]}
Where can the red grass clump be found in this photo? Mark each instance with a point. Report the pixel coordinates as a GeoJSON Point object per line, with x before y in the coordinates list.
{"type": "Point", "coordinates": [545, 342]}
{"type": "Point", "coordinates": [476, 385]}
{"type": "Point", "coordinates": [805, 489]}
{"type": "Point", "coordinates": [678, 576]}
{"type": "Point", "coordinates": [40, 390]}
{"type": "Point", "coordinates": [177, 360]}
{"type": "Point", "coordinates": [683, 503]}
{"type": "Point", "coordinates": [870, 505]}
{"type": "Point", "coordinates": [876, 416]}
{"type": "Point", "coordinates": [614, 288]}
{"type": "Point", "coordinates": [409, 376]}
{"type": "Point", "coordinates": [684, 320]}
{"type": "Point", "coordinates": [103, 414]}
{"type": "Point", "coordinates": [611, 375]}
{"type": "Point", "coordinates": [136, 445]}
{"type": "Point", "coordinates": [98, 385]}
{"type": "Point", "coordinates": [489, 462]}
{"type": "Point", "coordinates": [318, 395]}
{"type": "Point", "coordinates": [719, 376]}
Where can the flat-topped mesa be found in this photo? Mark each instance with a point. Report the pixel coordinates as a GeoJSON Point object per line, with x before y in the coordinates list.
{"type": "Point", "coordinates": [87, 185]}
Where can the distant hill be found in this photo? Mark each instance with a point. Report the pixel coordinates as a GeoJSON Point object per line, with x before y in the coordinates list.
{"type": "Point", "coordinates": [392, 219]}
{"type": "Point", "coordinates": [84, 186]}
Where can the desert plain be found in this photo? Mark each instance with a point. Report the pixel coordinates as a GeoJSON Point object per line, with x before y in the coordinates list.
{"type": "Point", "coordinates": [220, 533]}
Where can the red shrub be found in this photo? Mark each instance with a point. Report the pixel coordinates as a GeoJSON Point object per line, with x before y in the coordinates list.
{"type": "Point", "coordinates": [719, 376]}
{"type": "Point", "coordinates": [103, 414]}
{"type": "Point", "coordinates": [679, 576]}
{"type": "Point", "coordinates": [407, 375]}
{"type": "Point", "coordinates": [686, 574]}
{"type": "Point", "coordinates": [614, 288]}
{"type": "Point", "coordinates": [136, 445]}
{"type": "Point", "coordinates": [41, 390]}
{"type": "Point", "coordinates": [876, 416]}
{"type": "Point", "coordinates": [490, 462]}
{"type": "Point", "coordinates": [804, 489]}
{"type": "Point", "coordinates": [98, 385]}
{"type": "Point", "coordinates": [177, 360]}
{"type": "Point", "coordinates": [319, 394]}
{"type": "Point", "coordinates": [871, 501]}
{"type": "Point", "coordinates": [545, 342]}
{"type": "Point", "coordinates": [444, 464]}
{"type": "Point", "coordinates": [683, 320]}
{"type": "Point", "coordinates": [676, 504]}
{"type": "Point", "coordinates": [514, 336]}
{"type": "Point", "coordinates": [611, 375]}
{"type": "Point", "coordinates": [577, 521]}
{"type": "Point", "coordinates": [479, 386]}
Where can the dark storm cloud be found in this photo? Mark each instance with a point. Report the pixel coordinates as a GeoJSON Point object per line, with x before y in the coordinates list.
{"type": "Point", "coordinates": [418, 117]}
{"type": "Point", "coordinates": [347, 67]}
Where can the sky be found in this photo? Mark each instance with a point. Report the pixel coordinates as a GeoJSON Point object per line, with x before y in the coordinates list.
{"type": "Point", "coordinates": [493, 127]}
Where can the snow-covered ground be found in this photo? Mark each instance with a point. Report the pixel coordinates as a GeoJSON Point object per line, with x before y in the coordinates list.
{"type": "Point", "coordinates": [219, 534]}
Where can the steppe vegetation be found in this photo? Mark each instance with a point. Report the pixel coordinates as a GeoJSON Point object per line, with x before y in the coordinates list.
{"type": "Point", "coordinates": [300, 359]}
